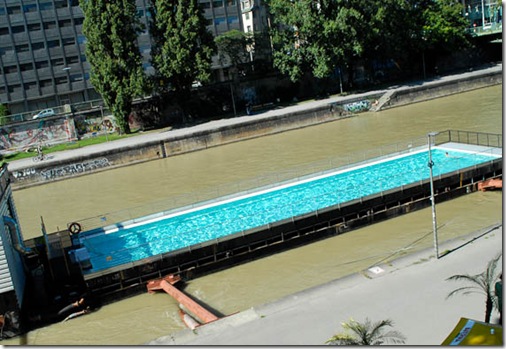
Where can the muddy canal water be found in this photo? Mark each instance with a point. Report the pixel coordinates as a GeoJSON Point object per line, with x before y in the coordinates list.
{"type": "Point", "coordinates": [156, 185]}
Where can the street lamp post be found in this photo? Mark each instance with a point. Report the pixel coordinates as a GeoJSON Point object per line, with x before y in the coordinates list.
{"type": "Point", "coordinates": [433, 203]}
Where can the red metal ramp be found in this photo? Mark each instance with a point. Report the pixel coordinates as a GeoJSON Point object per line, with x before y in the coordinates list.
{"type": "Point", "coordinates": [167, 284]}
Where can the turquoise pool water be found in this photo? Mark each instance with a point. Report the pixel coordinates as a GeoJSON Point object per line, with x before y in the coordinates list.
{"type": "Point", "coordinates": [141, 240]}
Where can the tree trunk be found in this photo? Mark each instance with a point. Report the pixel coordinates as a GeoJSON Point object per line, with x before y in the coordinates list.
{"type": "Point", "coordinates": [488, 309]}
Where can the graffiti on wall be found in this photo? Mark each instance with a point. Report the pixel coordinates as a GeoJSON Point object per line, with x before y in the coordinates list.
{"type": "Point", "coordinates": [359, 106]}
{"type": "Point", "coordinates": [23, 136]}
{"type": "Point", "coordinates": [63, 171]}
{"type": "Point", "coordinates": [94, 125]}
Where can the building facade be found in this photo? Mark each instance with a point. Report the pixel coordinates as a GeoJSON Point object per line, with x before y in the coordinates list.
{"type": "Point", "coordinates": [42, 49]}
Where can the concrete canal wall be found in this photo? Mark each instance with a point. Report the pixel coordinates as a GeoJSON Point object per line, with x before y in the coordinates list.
{"type": "Point", "coordinates": [255, 126]}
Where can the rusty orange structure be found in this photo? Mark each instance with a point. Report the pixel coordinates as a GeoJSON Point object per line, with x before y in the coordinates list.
{"type": "Point", "coordinates": [490, 184]}
{"type": "Point", "coordinates": [167, 284]}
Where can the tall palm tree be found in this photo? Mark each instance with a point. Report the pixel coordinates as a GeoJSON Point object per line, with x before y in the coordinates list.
{"type": "Point", "coordinates": [367, 333]}
{"type": "Point", "coordinates": [483, 283]}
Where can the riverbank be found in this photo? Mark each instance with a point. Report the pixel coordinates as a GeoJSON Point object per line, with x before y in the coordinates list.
{"type": "Point", "coordinates": [170, 142]}
{"type": "Point", "coordinates": [411, 291]}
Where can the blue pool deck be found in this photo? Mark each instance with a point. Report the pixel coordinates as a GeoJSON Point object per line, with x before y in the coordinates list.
{"type": "Point", "coordinates": [167, 232]}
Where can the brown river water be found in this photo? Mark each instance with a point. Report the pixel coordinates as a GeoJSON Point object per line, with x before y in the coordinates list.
{"type": "Point", "coordinates": [156, 185]}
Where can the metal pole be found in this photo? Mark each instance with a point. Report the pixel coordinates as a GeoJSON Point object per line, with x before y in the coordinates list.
{"type": "Point", "coordinates": [340, 81]}
{"type": "Point", "coordinates": [434, 222]}
{"type": "Point", "coordinates": [103, 125]}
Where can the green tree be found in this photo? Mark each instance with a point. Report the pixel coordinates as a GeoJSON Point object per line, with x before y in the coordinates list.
{"type": "Point", "coordinates": [4, 112]}
{"type": "Point", "coordinates": [367, 333]}
{"type": "Point", "coordinates": [111, 29]}
{"type": "Point", "coordinates": [483, 283]}
{"type": "Point", "coordinates": [232, 47]}
{"type": "Point", "coordinates": [182, 46]}
{"type": "Point", "coordinates": [317, 36]}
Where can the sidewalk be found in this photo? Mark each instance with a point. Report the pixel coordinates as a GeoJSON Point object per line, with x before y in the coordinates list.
{"type": "Point", "coordinates": [411, 291]}
{"type": "Point", "coordinates": [189, 131]}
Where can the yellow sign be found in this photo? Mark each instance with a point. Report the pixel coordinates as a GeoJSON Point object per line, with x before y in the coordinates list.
{"type": "Point", "coordinates": [472, 332]}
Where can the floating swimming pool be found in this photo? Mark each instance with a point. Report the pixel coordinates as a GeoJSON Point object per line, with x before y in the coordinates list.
{"type": "Point", "coordinates": [123, 244]}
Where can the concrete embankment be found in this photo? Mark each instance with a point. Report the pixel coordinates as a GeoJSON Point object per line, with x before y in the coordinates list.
{"type": "Point", "coordinates": [158, 145]}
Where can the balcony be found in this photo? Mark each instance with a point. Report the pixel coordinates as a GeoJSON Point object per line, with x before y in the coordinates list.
{"type": "Point", "coordinates": [32, 17]}
{"type": "Point", "coordinates": [78, 85]}
{"type": "Point", "coordinates": [63, 88]}
{"type": "Point", "coordinates": [9, 57]}
{"type": "Point", "coordinates": [48, 90]}
{"type": "Point", "coordinates": [12, 78]}
{"type": "Point", "coordinates": [67, 32]}
{"type": "Point", "coordinates": [16, 18]}
{"type": "Point", "coordinates": [18, 95]}
{"type": "Point", "coordinates": [37, 35]}
{"type": "Point", "coordinates": [55, 51]}
{"type": "Point", "coordinates": [20, 38]}
{"type": "Point", "coordinates": [33, 92]}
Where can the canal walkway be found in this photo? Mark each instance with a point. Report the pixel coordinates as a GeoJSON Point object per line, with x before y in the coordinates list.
{"type": "Point", "coordinates": [411, 291]}
{"type": "Point", "coordinates": [188, 132]}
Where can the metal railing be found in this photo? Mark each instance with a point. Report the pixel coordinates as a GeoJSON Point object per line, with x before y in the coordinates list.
{"type": "Point", "coordinates": [492, 140]}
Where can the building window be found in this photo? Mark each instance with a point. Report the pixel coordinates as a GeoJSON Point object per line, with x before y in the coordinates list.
{"type": "Point", "coordinates": [246, 15]}
{"type": "Point", "coordinates": [34, 27]}
{"type": "Point", "coordinates": [53, 43]}
{"type": "Point", "coordinates": [140, 12]}
{"type": "Point", "coordinates": [30, 8]}
{"type": "Point", "coordinates": [57, 62]}
{"type": "Point", "coordinates": [65, 23]}
{"type": "Point", "coordinates": [233, 19]}
{"type": "Point", "coordinates": [219, 20]}
{"type": "Point", "coordinates": [72, 60]}
{"type": "Point", "coordinates": [249, 29]}
{"type": "Point", "coordinates": [13, 10]}
{"type": "Point", "coordinates": [205, 5]}
{"type": "Point", "coordinates": [231, 3]}
{"type": "Point", "coordinates": [60, 3]}
{"type": "Point", "coordinates": [49, 25]}
{"type": "Point", "coordinates": [83, 58]}
{"type": "Point", "coordinates": [45, 83]}
{"type": "Point", "coordinates": [69, 41]}
{"type": "Point", "coordinates": [4, 31]}
{"type": "Point", "coordinates": [2, 10]}
{"type": "Point", "coordinates": [81, 39]}
{"type": "Point", "coordinates": [14, 88]}
{"type": "Point", "coordinates": [30, 86]}
{"type": "Point", "coordinates": [18, 29]}
{"type": "Point", "coordinates": [218, 3]}
{"type": "Point", "coordinates": [26, 66]}
{"type": "Point", "coordinates": [76, 77]}
{"type": "Point", "coordinates": [41, 64]}
{"type": "Point", "coordinates": [11, 69]}
{"type": "Point", "coordinates": [43, 6]}
{"type": "Point", "coordinates": [78, 21]}
{"type": "Point", "coordinates": [61, 80]}
{"type": "Point", "coordinates": [37, 46]}
{"type": "Point", "coordinates": [22, 48]}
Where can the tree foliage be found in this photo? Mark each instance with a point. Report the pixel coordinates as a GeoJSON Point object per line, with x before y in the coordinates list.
{"type": "Point", "coordinates": [182, 46]}
{"type": "Point", "coordinates": [111, 30]}
{"type": "Point", "coordinates": [232, 47]}
{"type": "Point", "coordinates": [316, 36]}
{"type": "Point", "coordinates": [367, 333]}
{"type": "Point", "coordinates": [482, 283]}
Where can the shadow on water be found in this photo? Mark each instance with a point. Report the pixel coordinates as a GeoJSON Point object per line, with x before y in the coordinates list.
{"type": "Point", "coordinates": [485, 232]}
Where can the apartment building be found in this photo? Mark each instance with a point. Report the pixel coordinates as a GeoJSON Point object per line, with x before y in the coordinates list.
{"type": "Point", "coordinates": [42, 48]}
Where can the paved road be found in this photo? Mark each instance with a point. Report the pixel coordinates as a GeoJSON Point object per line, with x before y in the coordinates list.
{"type": "Point", "coordinates": [188, 131]}
{"type": "Point", "coordinates": [411, 291]}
